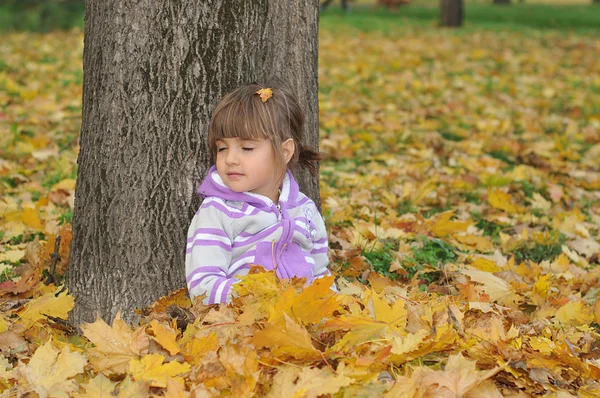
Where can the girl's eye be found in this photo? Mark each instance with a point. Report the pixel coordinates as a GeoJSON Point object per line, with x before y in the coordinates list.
{"type": "Point", "coordinates": [247, 149]}
{"type": "Point", "coordinates": [221, 149]}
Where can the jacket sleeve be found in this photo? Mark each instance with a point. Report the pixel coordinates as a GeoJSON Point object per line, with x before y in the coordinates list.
{"type": "Point", "coordinates": [320, 249]}
{"type": "Point", "coordinates": [208, 255]}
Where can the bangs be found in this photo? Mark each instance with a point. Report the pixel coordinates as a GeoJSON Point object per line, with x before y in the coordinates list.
{"type": "Point", "coordinates": [244, 118]}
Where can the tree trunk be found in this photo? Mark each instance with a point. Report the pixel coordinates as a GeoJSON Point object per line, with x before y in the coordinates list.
{"type": "Point", "coordinates": [451, 13]}
{"type": "Point", "coordinates": [153, 73]}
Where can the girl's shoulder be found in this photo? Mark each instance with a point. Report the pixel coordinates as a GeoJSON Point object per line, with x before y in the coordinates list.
{"type": "Point", "coordinates": [227, 208]}
{"type": "Point", "coordinates": [303, 201]}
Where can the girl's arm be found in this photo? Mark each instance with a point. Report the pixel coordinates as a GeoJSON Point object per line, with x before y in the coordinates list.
{"type": "Point", "coordinates": [320, 250]}
{"type": "Point", "coordinates": [208, 256]}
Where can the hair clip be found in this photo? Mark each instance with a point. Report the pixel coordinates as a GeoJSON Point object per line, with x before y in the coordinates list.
{"type": "Point", "coordinates": [264, 94]}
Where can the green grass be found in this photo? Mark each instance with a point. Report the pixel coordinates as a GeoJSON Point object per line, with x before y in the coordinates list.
{"type": "Point", "coordinates": [427, 259]}
{"type": "Point", "coordinates": [46, 15]}
{"type": "Point", "coordinates": [517, 16]}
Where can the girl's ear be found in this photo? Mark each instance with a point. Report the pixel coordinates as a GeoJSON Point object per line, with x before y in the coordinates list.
{"type": "Point", "coordinates": [288, 148]}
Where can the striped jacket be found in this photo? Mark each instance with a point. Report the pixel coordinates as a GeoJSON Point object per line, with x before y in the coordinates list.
{"type": "Point", "coordinates": [233, 230]}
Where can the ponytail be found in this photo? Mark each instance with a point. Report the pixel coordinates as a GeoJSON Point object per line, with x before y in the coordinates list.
{"type": "Point", "coordinates": [308, 159]}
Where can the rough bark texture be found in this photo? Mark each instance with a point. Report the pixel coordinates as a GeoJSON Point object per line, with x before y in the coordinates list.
{"type": "Point", "coordinates": [451, 13]}
{"type": "Point", "coordinates": [153, 73]}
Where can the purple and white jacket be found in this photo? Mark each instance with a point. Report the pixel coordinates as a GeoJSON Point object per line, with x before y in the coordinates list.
{"type": "Point", "coordinates": [233, 230]}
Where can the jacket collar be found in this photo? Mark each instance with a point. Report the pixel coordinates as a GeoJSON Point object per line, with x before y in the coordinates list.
{"type": "Point", "coordinates": [213, 186]}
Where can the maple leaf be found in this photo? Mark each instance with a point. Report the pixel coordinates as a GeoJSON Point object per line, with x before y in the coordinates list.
{"type": "Point", "coordinates": [575, 313]}
{"type": "Point", "coordinates": [151, 368]}
{"type": "Point", "coordinates": [47, 305]}
{"type": "Point", "coordinates": [458, 379]}
{"type": "Point", "coordinates": [114, 346]}
{"type": "Point", "coordinates": [99, 386]}
{"type": "Point", "coordinates": [288, 339]}
{"type": "Point", "coordinates": [165, 336]}
{"type": "Point", "coordinates": [501, 200]}
{"type": "Point", "coordinates": [50, 371]}
{"type": "Point", "coordinates": [265, 94]}
{"type": "Point", "coordinates": [311, 305]}
{"type": "Point", "coordinates": [241, 368]}
{"type": "Point", "coordinates": [308, 382]}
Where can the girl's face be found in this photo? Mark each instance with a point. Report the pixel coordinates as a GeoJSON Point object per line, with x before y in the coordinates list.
{"type": "Point", "coordinates": [249, 166]}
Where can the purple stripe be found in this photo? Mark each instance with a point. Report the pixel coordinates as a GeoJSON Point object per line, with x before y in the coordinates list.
{"type": "Point", "coordinates": [326, 272]}
{"type": "Point", "coordinates": [208, 231]}
{"type": "Point", "coordinates": [249, 256]}
{"type": "Point", "coordinates": [300, 229]}
{"type": "Point", "coordinates": [214, 289]}
{"type": "Point", "coordinates": [259, 236]}
{"type": "Point", "coordinates": [205, 242]}
{"type": "Point", "coordinates": [198, 281]}
{"type": "Point", "coordinates": [226, 290]}
{"type": "Point", "coordinates": [243, 266]}
{"type": "Point", "coordinates": [322, 250]}
{"type": "Point", "coordinates": [224, 209]}
{"type": "Point", "coordinates": [303, 201]}
{"type": "Point", "coordinates": [211, 270]}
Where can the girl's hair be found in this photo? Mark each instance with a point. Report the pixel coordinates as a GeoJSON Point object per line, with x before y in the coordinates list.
{"type": "Point", "coordinates": [243, 114]}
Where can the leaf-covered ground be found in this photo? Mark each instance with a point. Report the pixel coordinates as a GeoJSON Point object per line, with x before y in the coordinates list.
{"type": "Point", "coordinates": [462, 193]}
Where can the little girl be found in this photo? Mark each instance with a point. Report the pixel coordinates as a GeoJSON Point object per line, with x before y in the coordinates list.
{"type": "Point", "coordinates": [253, 212]}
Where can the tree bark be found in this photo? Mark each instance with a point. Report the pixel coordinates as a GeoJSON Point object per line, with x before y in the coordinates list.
{"type": "Point", "coordinates": [153, 73]}
{"type": "Point", "coordinates": [451, 13]}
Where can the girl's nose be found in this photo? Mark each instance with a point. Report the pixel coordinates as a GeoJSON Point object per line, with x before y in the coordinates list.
{"type": "Point", "coordinates": [232, 157]}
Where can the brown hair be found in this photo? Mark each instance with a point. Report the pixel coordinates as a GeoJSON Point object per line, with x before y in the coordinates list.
{"type": "Point", "coordinates": [244, 115]}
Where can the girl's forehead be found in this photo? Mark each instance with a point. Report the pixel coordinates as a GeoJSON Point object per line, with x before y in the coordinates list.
{"type": "Point", "coordinates": [236, 139]}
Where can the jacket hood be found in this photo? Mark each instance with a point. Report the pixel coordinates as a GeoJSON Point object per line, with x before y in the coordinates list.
{"type": "Point", "coordinates": [213, 186]}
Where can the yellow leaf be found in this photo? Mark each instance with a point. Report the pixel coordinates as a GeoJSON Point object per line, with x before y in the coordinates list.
{"type": "Point", "coordinates": [152, 369]}
{"type": "Point", "coordinates": [361, 334]}
{"type": "Point", "coordinates": [50, 371]}
{"type": "Point", "coordinates": [115, 345]}
{"type": "Point", "coordinates": [129, 388]}
{"type": "Point", "coordinates": [68, 184]}
{"type": "Point", "coordinates": [176, 388]}
{"type": "Point", "coordinates": [483, 264]}
{"type": "Point", "coordinates": [473, 242]}
{"type": "Point", "coordinates": [498, 289]}
{"type": "Point", "coordinates": [408, 343]}
{"type": "Point", "coordinates": [47, 304]}
{"type": "Point", "coordinates": [12, 256]}
{"type": "Point", "coordinates": [395, 315]}
{"type": "Point", "coordinates": [198, 347]}
{"type": "Point", "coordinates": [308, 382]}
{"type": "Point", "coordinates": [540, 289]}
{"type": "Point", "coordinates": [575, 313]}
{"type": "Point", "coordinates": [311, 305]}
{"type": "Point", "coordinates": [100, 386]}
{"type": "Point", "coordinates": [459, 377]}
{"type": "Point", "coordinates": [289, 339]}
{"type": "Point", "coordinates": [260, 292]}
{"type": "Point", "coordinates": [3, 324]}
{"type": "Point", "coordinates": [265, 94]}
{"type": "Point", "coordinates": [444, 226]}
{"type": "Point", "coordinates": [31, 218]}
{"type": "Point", "coordinates": [501, 200]}
{"type": "Point", "coordinates": [241, 368]}
{"type": "Point", "coordinates": [165, 336]}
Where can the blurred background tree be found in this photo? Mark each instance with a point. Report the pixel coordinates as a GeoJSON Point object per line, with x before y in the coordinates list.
{"type": "Point", "coordinates": [41, 15]}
